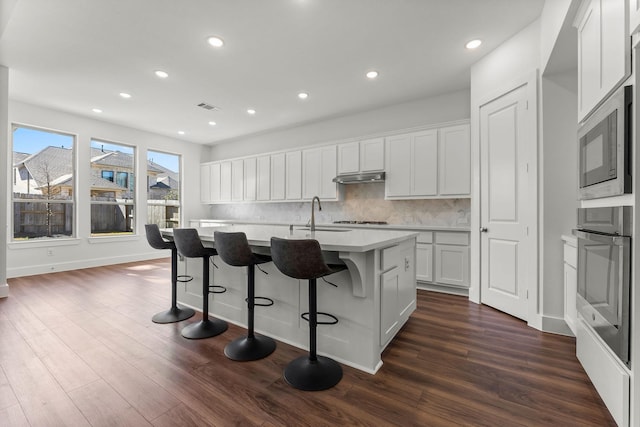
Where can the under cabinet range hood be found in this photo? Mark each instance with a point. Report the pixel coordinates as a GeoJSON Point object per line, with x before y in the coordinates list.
{"type": "Point", "coordinates": [360, 178]}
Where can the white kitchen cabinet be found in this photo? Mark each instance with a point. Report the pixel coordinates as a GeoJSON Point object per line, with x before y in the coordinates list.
{"type": "Point", "coordinates": [412, 165]}
{"type": "Point", "coordinates": [278, 176]}
{"type": "Point", "coordinates": [348, 158]}
{"type": "Point", "coordinates": [318, 171]}
{"type": "Point", "coordinates": [250, 167]}
{"type": "Point", "coordinates": [293, 160]}
{"type": "Point", "coordinates": [454, 161]}
{"type": "Point", "coordinates": [225, 181]}
{"type": "Point", "coordinates": [424, 257]}
{"type": "Point", "coordinates": [570, 285]}
{"type": "Point", "coordinates": [634, 16]}
{"type": "Point", "coordinates": [604, 51]}
{"type": "Point", "coordinates": [205, 183]}
{"type": "Point", "coordinates": [263, 178]}
{"type": "Point", "coordinates": [361, 156]}
{"type": "Point", "coordinates": [388, 304]}
{"type": "Point", "coordinates": [372, 155]}
{"type": "Point", "coordinates": [237, 180]}
{"type": "Point", "coordinates": [214, 172]}
{"type": "Point", "coordinates": [452, 259]}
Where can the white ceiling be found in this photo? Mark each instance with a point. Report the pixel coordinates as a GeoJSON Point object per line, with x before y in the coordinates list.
{"type": "Point", "coordinates": [75, 55]}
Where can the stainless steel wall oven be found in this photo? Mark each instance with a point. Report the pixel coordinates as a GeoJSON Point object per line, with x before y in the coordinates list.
{"type": "Point", "coordinates": [604, 274]}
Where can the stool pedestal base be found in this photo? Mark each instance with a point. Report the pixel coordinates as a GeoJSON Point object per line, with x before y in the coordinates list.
{"type": "Point", "coordinates": [204, 329]}
{"type": "Point", "coordinates": [313, 375]}
{"type": "Point", "coordinates": [250, 348]}
{"type": "Point", "coordinates": [175, 314]}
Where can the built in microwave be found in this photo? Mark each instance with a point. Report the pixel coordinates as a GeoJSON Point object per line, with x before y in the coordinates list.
{"type": "Point", "coordinates": [604, 141]}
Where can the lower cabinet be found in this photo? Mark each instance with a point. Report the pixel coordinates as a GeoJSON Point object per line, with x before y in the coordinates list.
{"type": "Point", "coordinates": [442, 261]}
{"type": "Point", "coordinates": [397, 288]}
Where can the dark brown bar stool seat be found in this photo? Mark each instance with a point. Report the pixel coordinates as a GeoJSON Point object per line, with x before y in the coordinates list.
{"type": "Point", "coordinates": [175, 313]}
{"type": "Point", "coordinates": [302, 259]}
{"type": "Point", "coordinates": [189, 245]}
{"type": "Point", "coordinates": [234, 249]}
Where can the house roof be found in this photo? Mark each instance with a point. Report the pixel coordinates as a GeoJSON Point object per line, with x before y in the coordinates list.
{"type": "Point", "coordinates": [49, 164]}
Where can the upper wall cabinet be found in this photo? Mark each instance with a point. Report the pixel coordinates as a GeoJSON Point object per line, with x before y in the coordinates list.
{"type": "Point", "coordinates": [293, 167]}
{"type": "Point", "coordinates": [250, 179]}
{"type": "Point", "coordinates": [634, 16]}
{"type": "Point", "coordinates": [429, 164]}
{"type": "Point", "coordinates": [318, 171]}
{"type": "Point", "coordinates": [454, 161]}
{"type": "Point", "coordinates": [361, 156]}
{"type": "Point", "coordinates": [604, 51]}
{"type": "Point", "coordinates": [263, 173]}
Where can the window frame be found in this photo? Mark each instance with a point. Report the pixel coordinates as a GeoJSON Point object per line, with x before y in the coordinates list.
{"type": "Point", "coordinates": [73, 200]}
{"type": "Point", "coordinates": [127, 203]}
{"type": "Point", "coordinates": [180, 191]}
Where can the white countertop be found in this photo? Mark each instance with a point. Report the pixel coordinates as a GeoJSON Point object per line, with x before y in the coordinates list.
{"type": "Point", "coordinates": [353, 240]}
{"type": "Point", "coordinates": [420, 227]}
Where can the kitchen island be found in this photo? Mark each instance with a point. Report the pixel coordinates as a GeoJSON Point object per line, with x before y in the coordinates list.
{"type": "Point", "coordinates": [373, 298]}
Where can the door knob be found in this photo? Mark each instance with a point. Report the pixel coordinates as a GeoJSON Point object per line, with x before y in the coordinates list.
{"type": "Point", "coordinates": [483, 229]}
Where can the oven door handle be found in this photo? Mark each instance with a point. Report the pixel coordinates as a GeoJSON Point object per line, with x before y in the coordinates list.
{"type": "Point", "coordinates": [601, 238]}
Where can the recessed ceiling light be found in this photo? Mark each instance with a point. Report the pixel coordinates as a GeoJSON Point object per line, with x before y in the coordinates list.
{"type": "Point", "coordinates": [251, 111]}
{"type": "Point", "coordinates": [96, 110]}
{"type": "Point", "coordinates": [125, 95]}
{"type": "Point", "coordinates": [303, 95]}
{"type": "Point", "coordinates": [473, 44]}
{"type": "Point", "coordinates": [180, 132]}
{"type": "Point", "coordinates": [212, 123]}
{"type": "Point", "coordinates": [215, 41]}
{"type": "Point", "coordinates": [372, 74]}
{"type": "Point", "coordinates": [161, 74]}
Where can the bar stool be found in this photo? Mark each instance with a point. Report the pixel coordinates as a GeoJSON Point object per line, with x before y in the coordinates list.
{"type": "Point", "coordinates": [175, 313]}
{"type": "Point", "coordinates": [234, 249]}
{"type": "Point", "coordinates": [189, 245]}
{"type": "Point", "coordinates": [302, 259]}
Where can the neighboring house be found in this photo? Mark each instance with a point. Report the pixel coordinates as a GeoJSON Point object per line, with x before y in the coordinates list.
{"type": "Point", "coordinates": [49, 171]}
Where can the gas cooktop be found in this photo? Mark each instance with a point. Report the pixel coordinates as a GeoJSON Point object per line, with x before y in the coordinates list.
{"type": "Point", "coordinates": [360, 222]}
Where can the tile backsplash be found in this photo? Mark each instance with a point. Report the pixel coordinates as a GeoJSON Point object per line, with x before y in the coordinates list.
{"type": "Point", "coordinates": [360, 202]}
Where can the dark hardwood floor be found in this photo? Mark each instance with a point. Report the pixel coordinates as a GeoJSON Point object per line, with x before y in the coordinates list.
{"type": "Point", "coordinates": [79, 348]}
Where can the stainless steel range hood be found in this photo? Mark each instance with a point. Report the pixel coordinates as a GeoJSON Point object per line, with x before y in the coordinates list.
{"type": "Point", "coordinates": [360, 178]}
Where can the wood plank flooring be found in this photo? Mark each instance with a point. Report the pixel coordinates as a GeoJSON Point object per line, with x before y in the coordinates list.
{"type": "Point", "coordinates": [79, 349]}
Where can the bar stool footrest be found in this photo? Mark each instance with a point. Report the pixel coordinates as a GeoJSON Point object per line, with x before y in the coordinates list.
{"type": "Point", "coordinates": [184, 278]}
{"type": "Point", "coordinates": [216, 289]}
{"type": "Point", "coordinates": [269, 302]}
{"type": "Point", "coordinates": [305, 316]}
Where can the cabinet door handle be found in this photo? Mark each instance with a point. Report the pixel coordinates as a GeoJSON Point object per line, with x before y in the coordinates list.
{"type": "Point", "coordinates": [483, 229]}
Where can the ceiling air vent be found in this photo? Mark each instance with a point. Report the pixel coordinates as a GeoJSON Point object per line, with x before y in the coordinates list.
{"type": "Point", "coordinates": [208, 106]}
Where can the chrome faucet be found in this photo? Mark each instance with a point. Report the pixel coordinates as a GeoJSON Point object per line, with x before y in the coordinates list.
{"type": "Point", "coordinates": [313, 218]}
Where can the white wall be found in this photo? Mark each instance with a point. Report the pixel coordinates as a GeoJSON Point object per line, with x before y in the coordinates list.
{"type": "Point", "coordinates": [24, 258]}
{"type": "Point", "coordinates": [444, 108]}
{"type": "Point", "coordinates": [4, 130]}
{"type": "Point", "coordinates": [559, 183]}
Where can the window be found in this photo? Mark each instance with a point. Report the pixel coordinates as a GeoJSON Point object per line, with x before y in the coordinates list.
{"type": "Point", "coordinates": [112, 189]}
{"type": "Point", "coordinates": [108, 175]}
{"type": "Point", "coordinates": [43, 184]}
{"type": "Point", "coordinates": [163, 189]}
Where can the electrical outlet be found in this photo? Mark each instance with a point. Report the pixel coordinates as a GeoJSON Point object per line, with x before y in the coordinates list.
{"type": "Point", "coordinates": [49, 252]}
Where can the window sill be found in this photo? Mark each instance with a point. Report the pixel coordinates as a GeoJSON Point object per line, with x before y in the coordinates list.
{"type": "Point", "coordinates": [111, 239]}
{"type": "Point", "coordinates": [43, 243]}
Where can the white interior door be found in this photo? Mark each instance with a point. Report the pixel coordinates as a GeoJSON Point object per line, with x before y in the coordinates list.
{"type": "Point", "coordinates": [504, 202]}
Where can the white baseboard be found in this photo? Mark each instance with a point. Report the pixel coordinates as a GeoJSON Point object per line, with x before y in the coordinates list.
{"type": "Point", "coordinates": [4, 290]}
{"type": "Point", "coordinates": [76, 265]}
{"type": "Point", "coordinates": [556, 325]}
